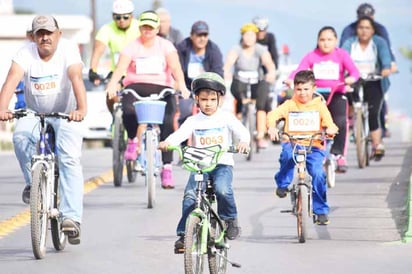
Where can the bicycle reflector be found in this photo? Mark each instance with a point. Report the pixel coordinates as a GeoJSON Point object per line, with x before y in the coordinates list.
{"type": "Point", "coordinates": [300, 158]}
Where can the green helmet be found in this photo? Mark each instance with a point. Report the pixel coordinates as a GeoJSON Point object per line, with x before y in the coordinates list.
{"type": "Point", "coordinates": [209, 80]}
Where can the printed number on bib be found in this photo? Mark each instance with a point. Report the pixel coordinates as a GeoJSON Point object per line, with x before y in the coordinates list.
{"type": "Point", "coordinates": [150, 65]}
{"type": "Point", "coordinates": [307, 121]}
{"type": "Point", "coordinates": [209, 137]}
{"type": "Point", "coordinates": [326, 71]}
{"type": "Point", "coordinates": [45, 85]}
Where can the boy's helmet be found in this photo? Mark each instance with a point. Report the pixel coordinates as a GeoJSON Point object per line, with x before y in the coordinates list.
{"type": "Point", "coordinates": [209, 80]}
{"type": "Point", "coordinates": [261, 22]}
{"type": "Point", "coordinates": [365, 9]}
{"type": "Point", "coordinates": [122, 7]}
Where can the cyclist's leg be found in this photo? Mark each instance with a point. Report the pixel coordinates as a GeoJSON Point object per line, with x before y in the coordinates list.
{"type": "Point", "coordinates": [238, 90]}
{"type": "Point", "coordinates": [69, 147]}
{"type": "Point", "coordinates": [374, 97]}
{"type": "Point", "coordinates": [314, 163]}
{"type": "Point", "coordinates": [130, 124]}
{"type": "Point", "coordinates": [25, 137]}
{"type": "Point", "coordinates": [222, 177]}
{"type": "Point", "coordinates": [260, 92]}
{"type": "Point", "coordinates": [285, 174]}
{"type": "Point", "coordinates": [189, 200]}
{"type": "Point", "coordinates": [338, 108]}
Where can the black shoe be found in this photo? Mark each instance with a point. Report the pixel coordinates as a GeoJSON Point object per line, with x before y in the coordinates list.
{"type": "Point", "coordinates": [72, 230]}
{"type": "Point", "coordinates": [232, 229]}
{"type": "Point", "coordinates": [323, 219]}
{"type": "Point", "coordinates": [281, 192]}
{"type": "Point", "coordinates": [26, 194]}
{"type": "Point", "coordinates": [180, 245]}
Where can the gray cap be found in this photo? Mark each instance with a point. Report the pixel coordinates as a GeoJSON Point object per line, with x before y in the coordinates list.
{"type": "Point", "coordinates": [45, 22]}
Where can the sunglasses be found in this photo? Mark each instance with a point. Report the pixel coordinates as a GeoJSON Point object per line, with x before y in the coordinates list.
{"type": "Point", "coordinates": [119, 17]}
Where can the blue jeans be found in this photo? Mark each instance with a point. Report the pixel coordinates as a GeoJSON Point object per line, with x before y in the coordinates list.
{"type": "Point", "coordinates": [314, 165]}
{"type": "Point", "coordinates": [221, 177]}
{"type": "Point", "coordinates": [69, 146]}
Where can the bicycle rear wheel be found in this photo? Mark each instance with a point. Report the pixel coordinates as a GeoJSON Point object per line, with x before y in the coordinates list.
{"type": "Point", "coordinates": [58, 237]}
{"type": "Point", "coordinates": [38, 211]}
{"type": "Point", "coordinates": [250, 123]}
{"type": "Point", "coordinates": [193, 256]}
{"type": "Point", "coordinates": [302, 212]}
{"type": "Point", "coordinates": [330, 168]}
{"type": "Point", "coordinates": [360, 139]}
{"type": "Point", "coordinates": [130, 170]}
{"type": "Point", "coordinates": [217, 251]}
{"type": "Point", "coordinates": [150, 178]}
{"type": "Point", "coordinates": [119, 146]}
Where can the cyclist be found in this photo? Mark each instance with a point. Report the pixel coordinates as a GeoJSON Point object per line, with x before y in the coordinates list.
{"type": "Point", "coordinates": [302, 102]}
{"type": "Point", "coordinates": [166, 30]}
{"type": "Point", "coordinates": [152, 64]}
{"type": "Point", "coordinates": [330, 64]}
{"type": "Point", "coordinates": [52, 71]}
{"type": "Point", "coordinates": [114, 35]}
{"type": "Point", "coordinates": [211, 126]}
{"type": "Point", "coordinates": [249, 57]}
{"type": "Point", "coordinates": [372, 55]}
{"type": "Point", "coordinates": [367, 9]}
{"type": "Point", "coordinates": [197, 54]}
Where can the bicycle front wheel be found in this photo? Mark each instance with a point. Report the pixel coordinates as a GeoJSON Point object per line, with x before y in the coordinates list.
{"type": "Point", "coordinates": [38, 211]}
{"type": "Point", "coordinates": [58, 237]}
{"type": "Point", "coordinates": [361, 139]}
{"type": "Point", "coordinates": [302, 212]}
{"type": "Point", "coordinates": [193, 256]}
{"type": "Point", "coordinates": [119, 146]}
{"type": "Point", "coordinates": [330, 168]}
{"type": "Point", "coordinates": [250, 124]}
{"type": "Point", "coordinates": [150, 178]}
{"type": "Point", "coordinates": [217, 251]}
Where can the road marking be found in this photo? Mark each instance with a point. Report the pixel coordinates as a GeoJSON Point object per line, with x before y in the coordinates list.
{"type": "Point", "coordinates": [23, 218]}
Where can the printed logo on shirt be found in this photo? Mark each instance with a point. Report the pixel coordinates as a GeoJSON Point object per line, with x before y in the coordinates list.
{"type": "Point", "coordinates": [45, 85]}
{"type": "Point", "coordinates": [306, 121]}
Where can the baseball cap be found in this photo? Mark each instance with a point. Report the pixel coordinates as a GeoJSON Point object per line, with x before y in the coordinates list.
{"type": "Point", "coordinates": [122, 7]}
{"type": "Point", "coordinates": [149, 18]}
{"type": "Point", "coordinates": [200, 27]}
{"type": "Point", "coordinates": [45, 22]}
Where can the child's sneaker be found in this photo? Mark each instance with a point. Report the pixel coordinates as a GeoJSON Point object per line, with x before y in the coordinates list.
{"type": "Point", "coordinates": [131, 153]}
{"type": "Point", "coordinates": [167, 177]}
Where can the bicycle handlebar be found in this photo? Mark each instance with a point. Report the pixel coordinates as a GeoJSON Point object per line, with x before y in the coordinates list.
{"type": "Point", "coordinates": [19, 113]}
{"type": "Point", "coordinates": [152, 97]}
{"type": "Point", "coordinates": [368, 77]}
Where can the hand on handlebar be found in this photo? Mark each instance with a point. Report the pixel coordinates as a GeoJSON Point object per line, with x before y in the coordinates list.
{"type": "Point", "coordinates": [273, 133]}
{"type": "Point", "coordinates": [6, 115]}
{"type": "Point", "coordinates": [77, 115]}
{"type": "Point", "coordinates": [163, 146]}
{"type": "Point", "coordinates": [243, 147]}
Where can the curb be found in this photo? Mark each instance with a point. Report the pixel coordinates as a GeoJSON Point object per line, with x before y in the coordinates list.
{"type": "Point", "coordinates": [408, 233]}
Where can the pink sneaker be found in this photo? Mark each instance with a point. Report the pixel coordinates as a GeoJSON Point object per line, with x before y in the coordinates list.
{"type": "Point", "coordinates": [342, 166]}
{"type": "Point", "coordinates": [167, 177]}
{"type": "Point", "coordinates": [131, 153]}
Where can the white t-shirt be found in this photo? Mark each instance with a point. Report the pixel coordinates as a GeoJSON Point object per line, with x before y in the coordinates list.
{"type": "Point", "coordinates": [211, 130]}
{"type": "Point", "coordinates": [47, 85]}
{"type": "Point", "coordinates": [365, 59]}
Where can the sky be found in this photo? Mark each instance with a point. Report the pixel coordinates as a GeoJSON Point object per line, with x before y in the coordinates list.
{"type": "Point", "coordinates": [294, 22]}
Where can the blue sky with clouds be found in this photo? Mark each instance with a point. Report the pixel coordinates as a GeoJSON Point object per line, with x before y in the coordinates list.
{"type": "Point", "coordinates": [294, 22]}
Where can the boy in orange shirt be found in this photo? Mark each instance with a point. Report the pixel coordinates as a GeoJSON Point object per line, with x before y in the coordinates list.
{"type": "Point", "coordinates": [303, 107]}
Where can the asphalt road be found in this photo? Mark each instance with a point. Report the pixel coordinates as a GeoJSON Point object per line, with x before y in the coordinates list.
{"type": "Point", "coordinates": [120, 235]}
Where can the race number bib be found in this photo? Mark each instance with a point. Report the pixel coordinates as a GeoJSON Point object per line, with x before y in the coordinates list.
{"type": "Point", "coordinates": [209, 137]}
{"type": "Point", "coordinates": [304, 121]}
{"type": "Point", "coordinates": [326, 71]}
{"type": "Point", "coordinates": [194, 70]}
{"type": "Point", "coordinates": [150, 65]}
{"type": "Point", "coordinates": [45, 85]}
{"type": "Point", "coordinates": [251, 77]}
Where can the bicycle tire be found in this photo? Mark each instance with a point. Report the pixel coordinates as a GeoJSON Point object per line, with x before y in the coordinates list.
{"type": "Point", "coordinates": [150, 178]}
{"type": "Point", "coordinates": [360, 139]}
{"type": "Point", "coordinates": [119, 146]}
{"type": "Point", "coordinates": [302, 212]}
{"type": "Point", "coordinates": [38, 211]}
{"type": "Point", "coordinates": [58, 237]}
{"type": "Point", "coordinates": [248, 122]}
{"type": "Point", "coordinates": [216, 259]}
{"type": "Point", "coordinates": [131, 173]}
{"type": "Point", "coordinates": [193, 256]}
{"type": "Point", "coordinates": [330, 173]}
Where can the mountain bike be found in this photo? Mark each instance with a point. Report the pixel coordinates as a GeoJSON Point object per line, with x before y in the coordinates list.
{"type": "Point", "coordinates": [301, 187]}
{"type": "Point", "coordinates": [361, 123]}
{"type": "Point", "coordinates": [150, 111]}
{"type": "Point", "coordinates": [44, 192]}
{"type": "Point", "coordinates": [205, 232]}
{"type": "Point", "coordinates": [249, 108]}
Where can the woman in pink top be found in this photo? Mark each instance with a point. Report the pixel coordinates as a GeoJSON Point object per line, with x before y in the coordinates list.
{"type": "Point", "coordinates": [150, 63]}
{"type": "Point", "coordinates": [334, 70]}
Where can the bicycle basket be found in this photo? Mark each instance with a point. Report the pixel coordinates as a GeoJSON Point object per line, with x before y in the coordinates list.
{"type": "Point", "coordinates": [204, 159]}
{"type": "Point", "coordinates": [150, 112]}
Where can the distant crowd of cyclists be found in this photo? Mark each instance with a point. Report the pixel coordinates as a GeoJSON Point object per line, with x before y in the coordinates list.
{"type": "Point", "coordinates": [148, 54]}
